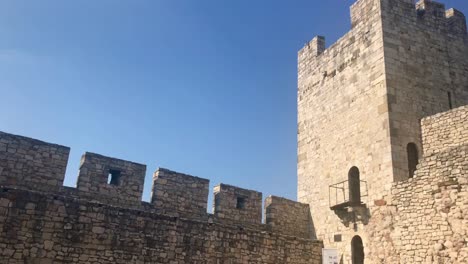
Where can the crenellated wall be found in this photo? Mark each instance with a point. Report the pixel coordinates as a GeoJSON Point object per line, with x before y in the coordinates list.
{"type": "Point", "coordinates": [103, 220]}
{"type": "Point", "coordinates": [45, 229]}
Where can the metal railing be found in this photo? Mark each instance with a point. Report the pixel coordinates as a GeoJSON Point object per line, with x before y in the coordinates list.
{"type": "Point", "coordinates": [339, 195]}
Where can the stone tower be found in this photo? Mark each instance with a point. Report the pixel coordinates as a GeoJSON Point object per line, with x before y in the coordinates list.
{"type": "Point", "coordinates": [360, 103]}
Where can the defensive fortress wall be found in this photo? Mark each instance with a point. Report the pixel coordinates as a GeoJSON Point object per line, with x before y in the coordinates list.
{"type": "Point", "coordinates": [103, 220]}
{"type": "Point", "coordinates": [425, 219]}
{"type": "Point", "coordinates": [360, 103]}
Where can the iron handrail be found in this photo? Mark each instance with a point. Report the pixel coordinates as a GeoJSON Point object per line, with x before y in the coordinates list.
{"type": "Point", "coordinates": [341, 193]}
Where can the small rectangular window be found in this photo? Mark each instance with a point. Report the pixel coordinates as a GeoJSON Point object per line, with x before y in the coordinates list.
{"type": "Point", "coordinates": [240, 203]}
{"type": "Point", "coordinates": [337, 238]}
{"type": "Point", "coordinates": [114, 177]}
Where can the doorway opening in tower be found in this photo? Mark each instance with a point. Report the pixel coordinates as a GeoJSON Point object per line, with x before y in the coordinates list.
{"type": "Point", "coordinates": [357, 250]}
{"type": "Point", "coordinates": [413, 158]}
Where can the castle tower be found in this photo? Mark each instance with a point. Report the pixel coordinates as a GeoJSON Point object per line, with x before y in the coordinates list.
{"type": "Point", "coordinates": [360, 103]}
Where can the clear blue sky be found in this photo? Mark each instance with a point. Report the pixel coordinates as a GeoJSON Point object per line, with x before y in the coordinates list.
{"type": "Point", "coordinates": [205, 87]}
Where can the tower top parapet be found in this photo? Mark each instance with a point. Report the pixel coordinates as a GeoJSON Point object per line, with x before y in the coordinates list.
{"type": "Point", "coordinates": [425, 14]}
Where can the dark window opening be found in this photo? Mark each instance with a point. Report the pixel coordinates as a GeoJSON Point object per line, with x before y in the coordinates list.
{"type": "Point", "coordinates": [421, 12]}
{"type": "Point", "coordinates": [240, 203]}
{"type": "Point", "coordinates": [337, 238]}
{"type": "Point", "coordinates": [449, 94]}
{"type": "Point", "coordinates": [354, 184]}
{"type": "Point", "coordinates": [114, 177]}
{"type": "Point", "coordinates": [413, 158]}
{"type": "Point", "coordinates": [357, 250]}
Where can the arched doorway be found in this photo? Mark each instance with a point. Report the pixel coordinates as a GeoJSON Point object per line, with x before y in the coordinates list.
{"type": "Point", "coordinates": [357, 250]}
{"type": "Point", "coordinates": [354, 184]}
{"type": "Point", "coordinates": [413, 158]}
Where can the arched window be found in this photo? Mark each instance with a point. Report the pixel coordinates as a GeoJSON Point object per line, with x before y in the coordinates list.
{"type": "Point", "coordinates": [413, 158]}
{"type": "Point", "coordinates": [357, 250]}
{"type": "Point", "coordinates": [354, 184]}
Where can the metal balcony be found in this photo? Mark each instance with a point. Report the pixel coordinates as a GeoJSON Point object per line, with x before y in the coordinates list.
{"type": "Point", "coordinates": [339, 195]}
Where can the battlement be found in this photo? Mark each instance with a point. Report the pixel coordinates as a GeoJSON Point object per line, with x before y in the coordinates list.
{"type": "Point", "coordinates": [177, 193]}
{"type": "Point", "coordinates": [453, 19]}
{"type": "Point", "coordinates": [456, 21]}
{"type": "Point", "coordinates": [33, 165]}
{"type": "Point", "coordinates": [289, 217]}
{"type": "Point", "coordinates": [111, 179]}
{"type": "Point", "coordinates": [434, 14]}
{"type": "Point", "coordinates": [363, 10]}
{"type": "Point", "coordinates": [429, 7]}
{"type": "Point", "coordinates": [367, 16]}
{"type": "Point", "coordinates": [238, 204]}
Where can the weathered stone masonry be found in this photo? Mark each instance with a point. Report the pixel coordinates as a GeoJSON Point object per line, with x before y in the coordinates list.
{"type": "Point", "coordinates": [31, 163]}
{"type": "Point", "coordinates": [382, 168]}
{"type": "Point", "coordinates": [360, 103]}
{"type": "Point", "coordinates": [103, 220]}
{"type": "Point", "coordinates": [425, 219]}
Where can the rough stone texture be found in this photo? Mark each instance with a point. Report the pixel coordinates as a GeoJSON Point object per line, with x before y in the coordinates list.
{"type": "Point", "coordinates": [426, 58]}
{"type": "Point", "coordinates": [360, 103]}
{"type": "Point", "coordinates": [288, 217]}
{"type": "Point", "coordinates": [46, 229]}
{"type": "Point", "coordinates": [94, 174]}
{"type": "Point", "coordinates": [444, 131]}
{"type": "Point", "coordinates": [343, 120]}
{"type": "Point", "coordinates": [31, 163]}
{"type": "Point", "coordinates": [238, 204]}
{"type": "Point", "coordinates": [106, 222]}
{"type": "Point", "coordinates": [425, 219]}
{"type": "Point", "coordinates": [180, 194]}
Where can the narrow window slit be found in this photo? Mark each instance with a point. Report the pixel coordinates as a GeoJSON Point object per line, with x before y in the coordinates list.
{"type": "Point", "coordinates": [449, 94]}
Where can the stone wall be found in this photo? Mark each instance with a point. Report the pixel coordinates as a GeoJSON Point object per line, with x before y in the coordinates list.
{"type": "Point", "coordinates": [32, 163]}
{"type": "Point", "coordinates": [47, 229]}
{"type": "Point", "coordinates": [360, 102]}
{"type": "Point", "coordinates": [426, 68]}
{"type": "Point", "coordinates": [425, 219]}
{"type": "Point", "coordinates": [343, 120]}
{"type": "Point", "coordinates": [288, 217]}
{"type": "Point", "coordinates": [239, 204]}
{"type": "Point", "coordinates": [111, 180]}
{"type": "Point", "coordinates": [444, 131]}
{"type": "Point", "coordinates": [180, 194]}
{"type": "Point", "coordinates": [105, 221]}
